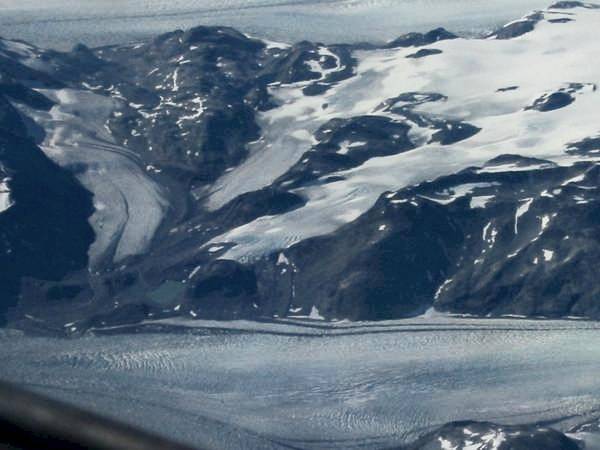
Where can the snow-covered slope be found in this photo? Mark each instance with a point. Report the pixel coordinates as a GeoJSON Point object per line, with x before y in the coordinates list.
{"type": "Point", "coordinates": [472, 75]}
{"type": "Point", "coordinates": [233, 177]}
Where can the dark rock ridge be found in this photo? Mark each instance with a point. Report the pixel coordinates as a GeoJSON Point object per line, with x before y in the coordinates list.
{"type": "Point", "coordinates": [421, 39]}
{"type": "Point", "coordinates": [45, 235]}
{"type": "Point", "coordinates": [519, 27]}
{"type": "Point", "coordinates": [559, 99]}
{"type": "Point", "coordinates": [489, 436]}
{"type": "Point", "coordinates": [515, 235]}
{"type": "Point", "coordinates": [347, 143]}
{"type": "Point", "coordinates": [424, 52]}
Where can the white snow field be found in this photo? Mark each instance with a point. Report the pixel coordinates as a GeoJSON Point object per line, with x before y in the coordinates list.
{"type": "Point", "coordinates": [63, 23]}
{"type": "Point", "coordinates": [129, 206]}
{"type": "Point", "coordinates": [310, 385]}
{"type": "Point", "coordinates": [469, 72]}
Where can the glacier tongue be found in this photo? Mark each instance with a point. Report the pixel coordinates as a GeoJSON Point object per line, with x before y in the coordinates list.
{"type": "Point", "coordinates": [504, 87]}
{"type": "Point", "coordinates": [129, 205]}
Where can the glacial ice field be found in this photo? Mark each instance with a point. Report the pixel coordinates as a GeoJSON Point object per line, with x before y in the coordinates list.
{"type": "Point", "coordinates": [313, 385]}
{"type": "Point", "coordinates": [475, 88]}
{"type": "Point", "coordinates": [62, 23]}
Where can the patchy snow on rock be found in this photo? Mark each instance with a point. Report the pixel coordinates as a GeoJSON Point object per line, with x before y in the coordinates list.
{"type": "Point", "coordinates": [445, 444]}
{"type": "Point", "coordinates": [195, 108]}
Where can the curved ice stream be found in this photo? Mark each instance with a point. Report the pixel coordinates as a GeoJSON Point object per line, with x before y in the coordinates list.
{"type": "Point", "coordinates": [129, 206]}
{"type": "Point", "coordinates": [350, 385]}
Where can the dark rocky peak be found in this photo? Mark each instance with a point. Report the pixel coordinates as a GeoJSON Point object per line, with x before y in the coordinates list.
{"type": "Point", "coordinates": [301, 62]}
{"type": "Point", "coordinates": [422, 53]}
{"type": "Point", "coordinates": [83, 50]}
{"type": "Point", "coordinates": [510, 161]}
{"type": "Point", "coordinates": [447, 131]}
{"type": "Point", "coordinates": [222, 37]}
{"type": "Point", "coordinates": [347, 143]}
{"type": "Point", "coordinates": [10, 119]}
{"type": "Point", "coordinates": [25, 95]}
{"type": "Point", "coordinates": [550, 102]}
{"type": "Point", "coordinates": [519, 27]}
{"type": "Point", "coordinates": [202, 42]}
{"type": "Point", "coordinates": [507, 89]}
{"type": "Point", "coordinates": [573, 4]}
{"type": "Point", "coordinates": [562, 97]}
{"type": "Point", "coordinates": [315, 64]}
{"type": "Point", "coordinates": [452, 131]}
{"type": "Point", "coordinates": [251, 205]}
{"type": "Point", "coordinates": [587, 146]}
{"type": "Point", "coordinates": [21, 70]}
{"type": "Point", "coordinates": [421, 39]}
{"type": "Point", "coordinates": [17, 49]}
{"type": "Point", "coordinates": [409, 100]}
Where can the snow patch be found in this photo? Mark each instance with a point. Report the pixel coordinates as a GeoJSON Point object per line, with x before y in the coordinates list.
{"type": "Point", "coordinates": [5, 200]}
{"type": "Point", "coordinates": [521, 210]}
{"type": "Point", "coordinates": [548, 255]}
{"type": "Point", "coordinates": [282, 260]}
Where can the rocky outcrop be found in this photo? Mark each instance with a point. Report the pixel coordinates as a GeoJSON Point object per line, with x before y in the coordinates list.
{"type": "Point", "coordinates": [489, 436]}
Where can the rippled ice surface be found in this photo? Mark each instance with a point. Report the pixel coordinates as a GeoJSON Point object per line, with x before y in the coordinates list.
{"type": "Point", "coordinates": [61, 23]}
{"type": "Point", "coordinates": [312, 386]}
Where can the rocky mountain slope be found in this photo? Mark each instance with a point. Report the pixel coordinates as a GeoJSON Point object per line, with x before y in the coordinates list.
{"type": "Point", "coordinates": [208, 174]}
{"type": "Point", "coordinates": [487, 436]}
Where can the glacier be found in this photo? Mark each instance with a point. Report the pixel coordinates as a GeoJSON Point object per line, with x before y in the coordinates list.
{"type": "Point", "coordinates": [476, 93]}
{"type": "Point", "coordinates": [63, 23]}
{"type": "Point", "coordinates": [129, 206]}
{"type": "Point", "coordinates": [316, 386]}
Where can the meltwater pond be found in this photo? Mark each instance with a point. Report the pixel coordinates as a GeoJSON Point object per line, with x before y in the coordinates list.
{"type": "Point", "coordinates": [313, 385]}
{"type": "Point", "coordinates": [62, 23]}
